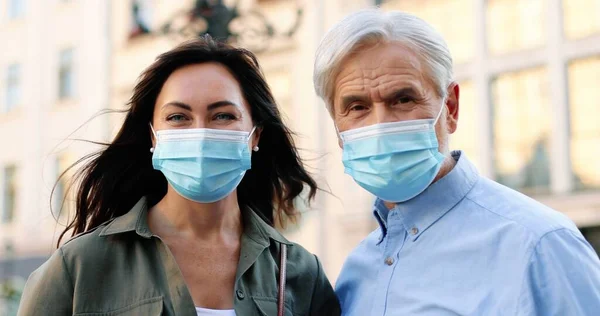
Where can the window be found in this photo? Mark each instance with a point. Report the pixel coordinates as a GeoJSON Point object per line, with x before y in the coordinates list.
{"type": "Point", "coordinates": [465, 138]}
{"type": "Point", "coordinates": [66, 80]}
{"type": "Point", "coordinates": [457, 32]}
{"type": "Point", "coordinates": [9, 194]}
{"type": "Point", "coordinates": [140, 18]}
{"type": "Point", "coordinates": [16, 8]}
{"type": "Point", "coordinates": [521, 120]}
{"type": "Point", "coordinates": [13, 87]}
{"type": "Point", "coordinates": [581, 18]}
{"type": "Point", "coordinates": [584, 105]}
{"type": "Point", "coordinates": [515, 25]}
{"type": "Point", "coordinates": [61, 201]}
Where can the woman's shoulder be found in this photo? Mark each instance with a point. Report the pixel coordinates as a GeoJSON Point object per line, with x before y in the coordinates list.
{"type": "Point", "coordinates": [85, 244]}
{"type": "Point", "coordinates": [97, 248]}
{"type": "Point", "coordinates": [308, 281]}
{"type": "Point", "coordinates": [112, 237]}
{"type": "Point", "coordinates": [302, 258]}
{"type": "Point", "coordinates": [53, 282]}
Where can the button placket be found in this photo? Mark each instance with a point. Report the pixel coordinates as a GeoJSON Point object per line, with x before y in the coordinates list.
{"type": "Point", "coordinates": [389, 261]}
{"type": "Point", "coordinates": [393, 243]}
{"type": "Point", "coordinates": [414, 231]}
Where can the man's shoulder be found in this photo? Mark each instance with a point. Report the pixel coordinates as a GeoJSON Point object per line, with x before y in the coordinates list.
{"type": "Point", "coordinates": [507, 206]}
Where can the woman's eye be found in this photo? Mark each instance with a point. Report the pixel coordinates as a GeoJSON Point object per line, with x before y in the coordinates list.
{"type": "Point", "coordinates": [176, 118]}
{"type": "Point", "coordinates": [224, 117]}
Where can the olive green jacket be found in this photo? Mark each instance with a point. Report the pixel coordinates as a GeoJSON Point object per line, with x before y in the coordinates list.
{"type": "Point", "coordinates": [121, 268]}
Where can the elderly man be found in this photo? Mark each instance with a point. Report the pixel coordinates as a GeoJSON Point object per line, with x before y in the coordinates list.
{"type": "Point", "coordinates": [450, 241]}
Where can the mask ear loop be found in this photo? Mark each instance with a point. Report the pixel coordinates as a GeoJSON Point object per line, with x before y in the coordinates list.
{"type": "Point", "coordinates": [251, 132]}
{"type": "Point", "coordinates": [155, 136]}
{"type": "Point", "coordinates": [440, 112]}
{"type": "Point", "coordinates": [338, 132]}
{"type": "Point", "coordinates": [255, 148]}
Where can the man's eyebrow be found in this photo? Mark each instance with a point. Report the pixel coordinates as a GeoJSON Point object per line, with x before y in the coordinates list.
{"type": "Point", "coordinates": [410, 91]}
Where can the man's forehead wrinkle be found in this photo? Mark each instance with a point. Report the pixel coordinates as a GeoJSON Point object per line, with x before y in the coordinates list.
{"type": "Point", "coordinates": [381, 86]}
{"type": "Point", "coordinates": [345, 79]}
{"type": "Point", "coordinates": [376, 78]}
{"type": "Point", "coordinates": [352, 85]}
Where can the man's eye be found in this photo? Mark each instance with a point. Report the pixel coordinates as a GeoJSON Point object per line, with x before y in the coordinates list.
{"type": "Point", "coordinates": [176, 118]}
{"type": "Point", "coordinates": [358, 107]}
{"type": "Point", "coordinates": [404, 99]}
{"type": "Point", "coordinates": [224, 117]}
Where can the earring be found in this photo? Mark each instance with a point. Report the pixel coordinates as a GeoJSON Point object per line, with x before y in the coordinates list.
{"type": "Point", "coordinates": [255, 148]}
{"type": "Point", "coordinates": [151, 149]}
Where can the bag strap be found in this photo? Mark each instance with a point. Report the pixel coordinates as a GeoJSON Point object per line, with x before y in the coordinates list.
{"type": "Point", "coordinates": [282, 273]}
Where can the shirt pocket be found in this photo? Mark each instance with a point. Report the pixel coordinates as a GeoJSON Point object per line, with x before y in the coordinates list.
{"type": "Point", "coordinates": [267, 306]}
{"type": "Point", "coordinates": [147, 307]}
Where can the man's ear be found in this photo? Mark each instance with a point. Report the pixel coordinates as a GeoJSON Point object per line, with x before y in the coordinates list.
{"type": "Point", "coordinates": [452, 103]}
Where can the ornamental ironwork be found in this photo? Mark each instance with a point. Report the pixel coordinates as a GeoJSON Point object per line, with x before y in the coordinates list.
{"type": "Point", "coordinates": [248, 28]}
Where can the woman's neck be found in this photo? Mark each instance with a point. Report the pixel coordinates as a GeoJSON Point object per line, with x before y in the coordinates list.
{"type": "Point", "coordinates": [176, 215]}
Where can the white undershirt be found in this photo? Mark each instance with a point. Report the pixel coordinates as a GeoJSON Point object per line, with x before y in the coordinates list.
{"type": "Point", "coordinates": [214, 312]}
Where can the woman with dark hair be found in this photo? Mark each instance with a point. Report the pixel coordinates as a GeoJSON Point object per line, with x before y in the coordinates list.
{"type": "Point", "coordinates": [176, 215]}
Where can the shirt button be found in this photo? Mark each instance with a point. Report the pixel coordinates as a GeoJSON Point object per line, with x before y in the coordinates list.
{"type": "Point", "coordinates": [414, 231]}
{"type": "Point", "coordinates": [240, 294]}
{"type": "Point", "coordinates": [389, 261]}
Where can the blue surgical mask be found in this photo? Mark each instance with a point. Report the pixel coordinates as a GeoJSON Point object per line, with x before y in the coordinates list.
{"type": "Point", "coordinates": [394, 161]}
{"type": "Point", "coordinates": [202, 165]}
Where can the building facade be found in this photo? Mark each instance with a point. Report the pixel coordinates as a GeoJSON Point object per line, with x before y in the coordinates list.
{"type": "Point", "coordinates": [528, 72]}
{"type": "Point", "coordinates": [529, 119]}
{"type": "Point", "coordinates": [53, 78]}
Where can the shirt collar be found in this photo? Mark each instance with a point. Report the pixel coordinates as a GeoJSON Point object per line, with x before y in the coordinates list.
{"type": "Point", "coordinates": [422, 211]}
{"type": "Point", "coordinates": [136, 220]}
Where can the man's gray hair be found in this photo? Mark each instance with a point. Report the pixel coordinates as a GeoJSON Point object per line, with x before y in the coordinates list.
{"type": "Point", "coordinates": [371, 26]}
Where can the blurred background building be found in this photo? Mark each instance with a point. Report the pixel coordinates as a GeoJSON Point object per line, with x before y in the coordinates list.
{"type": "Point", "coordinates": [529, 72]}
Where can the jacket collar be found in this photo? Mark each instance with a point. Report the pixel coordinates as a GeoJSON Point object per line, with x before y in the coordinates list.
{"type": "Point", "coordinates": [137, 220]}
{"type": "Point", "coordinates": [134, 220]}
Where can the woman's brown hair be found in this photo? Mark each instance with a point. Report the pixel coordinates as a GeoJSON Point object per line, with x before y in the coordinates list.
{"type": "Point", "coordinates": [113, 179]}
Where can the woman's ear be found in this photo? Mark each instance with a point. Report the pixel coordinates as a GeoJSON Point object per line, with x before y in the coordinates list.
{"type": "Point", "coordinates": [256, 137]}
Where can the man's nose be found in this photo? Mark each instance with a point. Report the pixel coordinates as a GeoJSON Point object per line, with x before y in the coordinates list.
{"type": "Point", "coordinates": [382, 114]}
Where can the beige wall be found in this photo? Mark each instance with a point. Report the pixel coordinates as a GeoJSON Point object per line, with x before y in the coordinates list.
{"type": "Point", "coordinates": [31, 136]}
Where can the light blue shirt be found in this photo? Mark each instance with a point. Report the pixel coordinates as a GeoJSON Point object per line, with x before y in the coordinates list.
{"type": "Point", "coordinates": [470, 246]}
